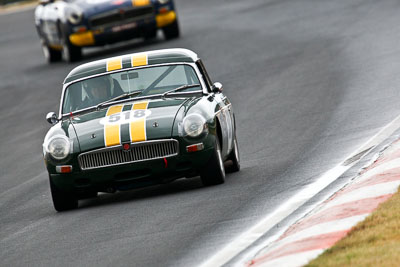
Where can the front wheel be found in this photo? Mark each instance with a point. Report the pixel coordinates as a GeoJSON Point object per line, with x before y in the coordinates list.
{"type": "Point", "coordinates": [71, 52]}
{"type": "Point", "coordinates": [150, 34]}
{"type": "Point", "coordinates": [61, 200]}
{"type": "Point", "coordinates": [234, 157]}
{"type": "Point", "coordinates": [50, 54]}
{"type": "Point", "coordinates": [214, 171]}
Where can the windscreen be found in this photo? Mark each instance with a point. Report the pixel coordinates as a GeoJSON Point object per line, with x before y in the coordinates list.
{"type": "Point", "coordinates": [146, 81]}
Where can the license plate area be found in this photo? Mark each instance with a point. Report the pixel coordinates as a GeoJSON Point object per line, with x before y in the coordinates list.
{"type": "Point", "coordinates": [124, 27]}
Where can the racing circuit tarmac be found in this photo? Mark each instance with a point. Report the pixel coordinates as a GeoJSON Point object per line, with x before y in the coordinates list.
{"type": "Point", "coordinates": [310, 82]}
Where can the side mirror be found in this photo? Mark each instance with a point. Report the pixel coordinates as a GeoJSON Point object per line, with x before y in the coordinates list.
{"type": "Point", "coordinates": [217, 87]}
{"type": "Point", "coordinates": [51, 117]}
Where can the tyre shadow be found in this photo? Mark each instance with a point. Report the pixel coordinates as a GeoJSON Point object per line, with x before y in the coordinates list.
{"type": "Point", "coordinates": [179, 186]}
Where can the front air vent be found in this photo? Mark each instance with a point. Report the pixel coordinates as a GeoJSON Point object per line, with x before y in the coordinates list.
{"type": "Point", "coordinates": [140, 151]}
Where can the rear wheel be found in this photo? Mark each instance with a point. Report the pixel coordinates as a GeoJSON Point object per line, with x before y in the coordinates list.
{"type": "Point", "coordinates": [61, 200]}
{"type": "Point", "coordinates": [50, 54]}
{"type": "Point", "coordinates": [171, 31]}
{"type": "Point", "coordinates": [214, 171]}
{"type": "Point", "coordinates": [71, 53]}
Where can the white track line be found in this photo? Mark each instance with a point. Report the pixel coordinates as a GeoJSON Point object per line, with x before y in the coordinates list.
{"type": "Point", "coordinates": [247, 238]}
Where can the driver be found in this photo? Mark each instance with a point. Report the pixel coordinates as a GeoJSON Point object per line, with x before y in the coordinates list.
{"type": "Point", "coordinates": [98, 90]}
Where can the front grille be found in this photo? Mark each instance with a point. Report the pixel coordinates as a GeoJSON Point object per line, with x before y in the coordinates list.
{"type": "Point", "coordinates": [117, 17]}
{"type": "Point", "coordinates": [139, 152]}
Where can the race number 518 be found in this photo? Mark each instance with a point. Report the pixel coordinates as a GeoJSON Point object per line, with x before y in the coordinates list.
{"type": "Point", "coordinates": [126, 116]}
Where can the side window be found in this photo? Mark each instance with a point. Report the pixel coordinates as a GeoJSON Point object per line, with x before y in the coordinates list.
{"type": "Point", "coordinates": [74, 97]}
{"type": "Point", "coordinates": [203, 71]}
{"type": "Point", "coordinates": [67, 103]}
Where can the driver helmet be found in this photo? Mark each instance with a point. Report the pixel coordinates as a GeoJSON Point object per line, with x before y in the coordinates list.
{"type": "Point", "coordinates": [98, 89]}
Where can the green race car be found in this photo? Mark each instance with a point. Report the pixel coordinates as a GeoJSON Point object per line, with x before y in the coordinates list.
{"type": "Point", "coordinates": [138, 120]}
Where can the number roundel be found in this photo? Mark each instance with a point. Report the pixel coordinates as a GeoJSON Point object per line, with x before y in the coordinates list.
{"type": "Point", "coordinates": [125, 117]}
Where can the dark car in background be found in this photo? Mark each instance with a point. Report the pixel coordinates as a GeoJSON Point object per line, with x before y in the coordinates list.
{"type": "Point", "coordinates": [65, 27]}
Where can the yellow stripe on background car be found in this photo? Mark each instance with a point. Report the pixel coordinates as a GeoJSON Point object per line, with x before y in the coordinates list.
{"type": "Point", "coordinates": [140, 2]}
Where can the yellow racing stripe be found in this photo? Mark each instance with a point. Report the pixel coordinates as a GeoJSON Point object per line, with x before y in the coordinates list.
{"type": "Point", "coordinates": [114, 64]}
{"type": "Point", "coordinates": [140, 2]}
{"type": "Point", "coordinates": [137, 128]}
{"type": "Point", "coordinates": [112, 132]}
{"type": "Point", "coordinates": [139, 60]}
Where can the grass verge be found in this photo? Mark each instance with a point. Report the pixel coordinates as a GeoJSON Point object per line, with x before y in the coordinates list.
{"type": "Point", "coordinates": [372, 242]}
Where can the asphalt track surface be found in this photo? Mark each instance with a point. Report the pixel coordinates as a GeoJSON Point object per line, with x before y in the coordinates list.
{"type": "Point", "coordinates": [310, 82]}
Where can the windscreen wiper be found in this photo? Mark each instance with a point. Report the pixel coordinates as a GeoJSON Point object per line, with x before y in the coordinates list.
{"type": "Point", "coordinates": [133, 93]}
{"type": "Point", "coordinates": [180, 88]}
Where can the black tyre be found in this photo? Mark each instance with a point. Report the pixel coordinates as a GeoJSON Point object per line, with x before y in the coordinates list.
{"type": "Point", "coordinates": [71, 53]}
{"type": "Point", "coordinates": [50, 54]}
{"type": "Point", "coordinates": [214, 171]}
{"type": "Point", "coordinates": [234, 157]}
{"type": "Point", "coordinates": [150, 34]}
{"type": "Point", "coordinates": [61, 200]}
{"type": "Point", "coordinates": [171, 31]}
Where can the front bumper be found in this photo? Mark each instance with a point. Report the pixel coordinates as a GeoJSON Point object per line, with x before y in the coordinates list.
{"type": "Point", "coordinates": [135, 175]}
{"type": "Point", "coordinates": [122, 31]}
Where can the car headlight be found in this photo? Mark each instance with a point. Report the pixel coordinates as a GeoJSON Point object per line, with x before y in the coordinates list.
{"type": "Point", "coordinates": [74, 14]}
{"type": "Point", "coordinates": [194, 125]}
{"type": "Point", "coordinates": [58, 147]}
